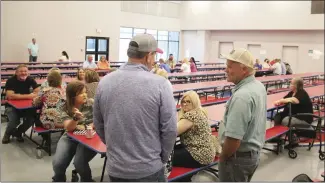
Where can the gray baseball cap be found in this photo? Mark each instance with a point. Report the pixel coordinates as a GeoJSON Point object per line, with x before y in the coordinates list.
{"type": "Point", "coordinates": [145, 42]}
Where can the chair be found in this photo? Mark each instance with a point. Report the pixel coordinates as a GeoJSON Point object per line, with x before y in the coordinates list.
{"type": "Point", "coordinates": [309, 131]}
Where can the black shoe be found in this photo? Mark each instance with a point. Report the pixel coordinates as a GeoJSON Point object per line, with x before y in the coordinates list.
{"type": "Point", "coordinates": [18, 136]}
{"type": "Point", "coordinates": [6, 139]}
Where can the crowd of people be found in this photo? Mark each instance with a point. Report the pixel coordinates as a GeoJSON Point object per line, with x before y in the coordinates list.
{"type": "Point", "coordinates": [277, 66]}
{"type": "Point", "coordinates": [133, 111]}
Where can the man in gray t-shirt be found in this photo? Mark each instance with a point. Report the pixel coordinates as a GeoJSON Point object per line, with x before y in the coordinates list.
{"type": "Point", "coordinates": [242, 131]}
{"type": "Point", "coordinates": [135, 115]}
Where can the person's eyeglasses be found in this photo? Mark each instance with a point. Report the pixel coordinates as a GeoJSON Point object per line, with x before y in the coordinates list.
{"type": "Point", "coordinates": [185, 102]}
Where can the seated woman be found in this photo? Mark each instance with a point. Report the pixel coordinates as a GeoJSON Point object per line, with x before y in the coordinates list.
{"type": "Point", "coordinates": [77, 114]}
{"type": "Point", "coordinates": [103, 63]}
{"type": "Point", "coordinates": [193, 65]}
{"type": "Point", "coordinates": [51, 98]}
{"type": "Point", "coordinates": [301, 103]}
{"type": "Point", "coordinates": [198, 145]}
{"type": "Point", "coordinates": [258, 65]}
{"type": "Point", "coordinates": [81, 74]}
{"type": "Point", "coordinates": [64, 57]}
{"type": "Point", "coordinates": [92, 80]}
{"type": "Point", "coordinates": [45, 84]}
{"type": "Point", "coordinates": [266, 64]}
{"type": "Point", "coordinates": [185, 67]}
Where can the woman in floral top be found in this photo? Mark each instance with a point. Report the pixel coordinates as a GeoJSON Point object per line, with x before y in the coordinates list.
{"type": "Point", "coordinates": [51, 98]}
{"type": "Point", "coordinates": [77, 114]}
{"type": "Point", "coordinates": [198, 145]}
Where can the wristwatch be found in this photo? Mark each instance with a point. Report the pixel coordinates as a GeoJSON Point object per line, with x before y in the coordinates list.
{"type": "Point", "coordinates": [75, 118]}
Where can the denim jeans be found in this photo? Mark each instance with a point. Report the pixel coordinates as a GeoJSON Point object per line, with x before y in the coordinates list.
{"type": "Point", "coordinates": [240, 167]}
{"type": "Point", "coordinates": [156, 177]}
{"type": "Point", "coordinates": [65, 151]}
{"type": "Point", "coordinates": [14, 116]}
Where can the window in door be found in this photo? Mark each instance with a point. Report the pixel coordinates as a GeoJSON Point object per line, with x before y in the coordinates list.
{"type": "Point", "coordinates": [97, 47]}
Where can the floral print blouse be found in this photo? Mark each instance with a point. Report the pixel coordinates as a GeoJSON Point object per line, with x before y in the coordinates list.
{"type": "Point", "coordinates": [51, 101]}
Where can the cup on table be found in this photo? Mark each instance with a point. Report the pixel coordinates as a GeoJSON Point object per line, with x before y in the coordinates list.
{"type": "Point", "coordinates": [89, 132]}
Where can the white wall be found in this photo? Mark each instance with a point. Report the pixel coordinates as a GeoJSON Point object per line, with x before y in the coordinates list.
{"type": "Point", "coordinates": [249, 15]}
{"type": "Point", "coordinates": [270, 41]}
{"type": "Point", "coordinates": [63, 25]}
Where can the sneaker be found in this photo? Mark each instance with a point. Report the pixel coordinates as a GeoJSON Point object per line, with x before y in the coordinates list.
{"type": "Point", "coordinates": [6, 139]}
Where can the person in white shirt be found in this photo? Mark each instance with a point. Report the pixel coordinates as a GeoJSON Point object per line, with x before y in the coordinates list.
{"type": "Point", "coordinates": [33, 50]}
{"type": "Point", "coordinates": [266, 64]}
{"type": "Point", "coordinates": [89, 63]}
{"type": "Point", "coordinates": [276, 67]}
{"type": "Point", "coordinates": [185, 67]}
{"type": "Point", "coordinates": [64, 57]}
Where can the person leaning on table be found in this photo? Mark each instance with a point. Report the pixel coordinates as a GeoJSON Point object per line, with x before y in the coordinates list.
{"type": "Point", "coordinates": [77, 114]}
{"type": "Point", "coordinates": [242, 131]}
{"type": "Point", "coordinates": [19, 87]}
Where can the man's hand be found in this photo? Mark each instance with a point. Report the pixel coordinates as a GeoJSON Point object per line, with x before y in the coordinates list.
{"type": "Point", "coordinates": [229, 147]}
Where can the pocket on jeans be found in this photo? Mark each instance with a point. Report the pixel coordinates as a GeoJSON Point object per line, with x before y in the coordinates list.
{"type": "Point", "coordinates": [245, 162]}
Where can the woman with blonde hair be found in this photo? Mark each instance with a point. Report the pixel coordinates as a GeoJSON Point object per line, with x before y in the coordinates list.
{"type": "Point", "coordinates": [51, 99]}
{"type": "Point", "coordinates": [198, 146]}
{"type": "Point", "coordinates": [160, 72]}
{"type": "Point", "coordinates": [185, 67]}
{"type": "Point", "coordinates": [91, 80]}
{"type": "Point", "coordinates": [103, 63]}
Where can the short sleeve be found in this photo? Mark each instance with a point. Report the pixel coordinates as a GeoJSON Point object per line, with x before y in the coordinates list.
{"type": "Point", "coordinates": [302, 96]}
{"type": "Point", "coordinates": [10, 84]}
{"type": "Point", "coordinates": [288, 95]}
{"type": "Point", "coordinates": [64, 115]}
{"type": "Point", "coordinates": [239, 115]}
{"type": "Point", "coordinates": [194, 116]}
{"type": "Point", "coordinates": [33, 83]}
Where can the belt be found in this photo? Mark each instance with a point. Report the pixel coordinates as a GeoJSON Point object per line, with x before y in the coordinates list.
{"type": "Point", "coordinates": [245, 154]}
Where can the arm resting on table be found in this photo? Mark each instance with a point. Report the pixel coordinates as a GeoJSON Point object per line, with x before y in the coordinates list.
{"type": "Point", "coordinates": [70, 125]}
{"type": "Point", "coordinates": [11, 95]}
{"type": "Point", "coordinates": [183, 125]}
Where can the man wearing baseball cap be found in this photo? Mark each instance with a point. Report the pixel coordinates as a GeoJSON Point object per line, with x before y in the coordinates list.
{"type": "Point", "coordinates": [242, 130]}
{"type": "Point", "coordinates": [135, 116]}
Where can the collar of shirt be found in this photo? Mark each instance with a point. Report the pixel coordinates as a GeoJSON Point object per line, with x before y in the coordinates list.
{"type": "Point", "coordinates": [134, 67]}
{"type": "Point", "coordinates": [243, 82]}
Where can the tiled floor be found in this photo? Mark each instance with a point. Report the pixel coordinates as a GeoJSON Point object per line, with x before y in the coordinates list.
{"type": "Point", "coordinates": [18, 163]}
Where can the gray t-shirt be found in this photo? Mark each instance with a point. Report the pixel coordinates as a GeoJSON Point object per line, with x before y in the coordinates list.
{"type": "Point", "coordinates": [135, 115]}
{"type": "Point", "coordinates": [245, 115]}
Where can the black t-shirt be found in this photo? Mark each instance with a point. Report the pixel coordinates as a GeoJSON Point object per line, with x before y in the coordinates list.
{"type": "Point", "coordinates": [305, 105]}
{"type": "Point", "coordinates": [20, 87]}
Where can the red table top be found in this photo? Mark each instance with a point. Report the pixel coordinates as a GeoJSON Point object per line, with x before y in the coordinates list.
{"type": "Point", "coordinates": [214, 84]}
{"type": "Point", "coordinates": [37, 63]}
{"type": "Point", "coordinates": [94, 143]}
{"type": "Point", "coordinates": [216, 112]}
{"type": "Point", "coordinates": [275, 132]}
{"type": "Point", "coordinates": [21, 104]}
{"type": "Point", "coordinates": [37, 72]}
{"type": "Point", "coordinates": [42, 66]}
